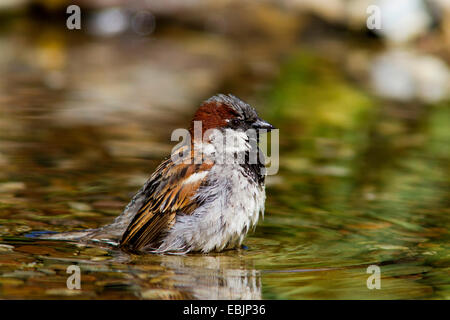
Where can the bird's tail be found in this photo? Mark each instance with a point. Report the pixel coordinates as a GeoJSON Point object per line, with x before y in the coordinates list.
{"type": "Point", "coordinates": [73, 235]}
{"type": "Point", "coordinates": [100, 235]}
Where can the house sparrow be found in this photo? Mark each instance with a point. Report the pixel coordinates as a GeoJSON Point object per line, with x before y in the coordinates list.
{"type": "Point", "coordinates": [201, 198]}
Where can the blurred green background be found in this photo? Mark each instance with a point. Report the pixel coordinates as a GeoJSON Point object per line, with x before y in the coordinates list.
{"type": "Point", "coordinates": [86, 115]}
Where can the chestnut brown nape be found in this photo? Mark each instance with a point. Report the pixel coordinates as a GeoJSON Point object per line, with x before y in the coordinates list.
{"type": "Point", "coordinates": [213, 115]}
{"type": "Point", "coordinates": [215, 111]}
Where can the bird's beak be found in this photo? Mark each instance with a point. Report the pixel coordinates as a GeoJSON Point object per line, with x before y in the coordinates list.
{"type": "Point", "coordinates": [261, 124]}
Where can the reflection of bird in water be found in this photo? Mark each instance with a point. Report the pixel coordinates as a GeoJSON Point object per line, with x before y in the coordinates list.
{"type": "Point", "coordinates": [207, 198]}
{"type": "Point", "coordinates": [213, 277]}
{"type": "Point", "coordinates": [225, 276]}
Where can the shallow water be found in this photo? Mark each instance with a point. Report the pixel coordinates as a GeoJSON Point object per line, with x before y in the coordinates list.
{"type": "Point", "coordinates": [362, 181]}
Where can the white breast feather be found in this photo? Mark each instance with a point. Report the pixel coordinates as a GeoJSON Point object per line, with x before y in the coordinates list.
{"type": "Point", "coordinates": [231, 206]}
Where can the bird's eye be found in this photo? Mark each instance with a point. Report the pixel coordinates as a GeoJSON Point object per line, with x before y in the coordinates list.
{"type": "Point", "coordinates": [235, 122]}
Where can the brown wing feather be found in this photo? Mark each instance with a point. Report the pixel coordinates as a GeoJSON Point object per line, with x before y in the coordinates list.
{"type": "Point", "coordinates": [167, 195]}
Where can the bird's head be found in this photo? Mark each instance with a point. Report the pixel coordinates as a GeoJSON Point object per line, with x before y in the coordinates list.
{"type": "Point", "coordinates": [227, 112]}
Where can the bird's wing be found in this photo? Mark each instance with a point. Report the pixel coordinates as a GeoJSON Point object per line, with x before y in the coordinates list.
{"type": "Point", "coordinates": [169, 192]}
